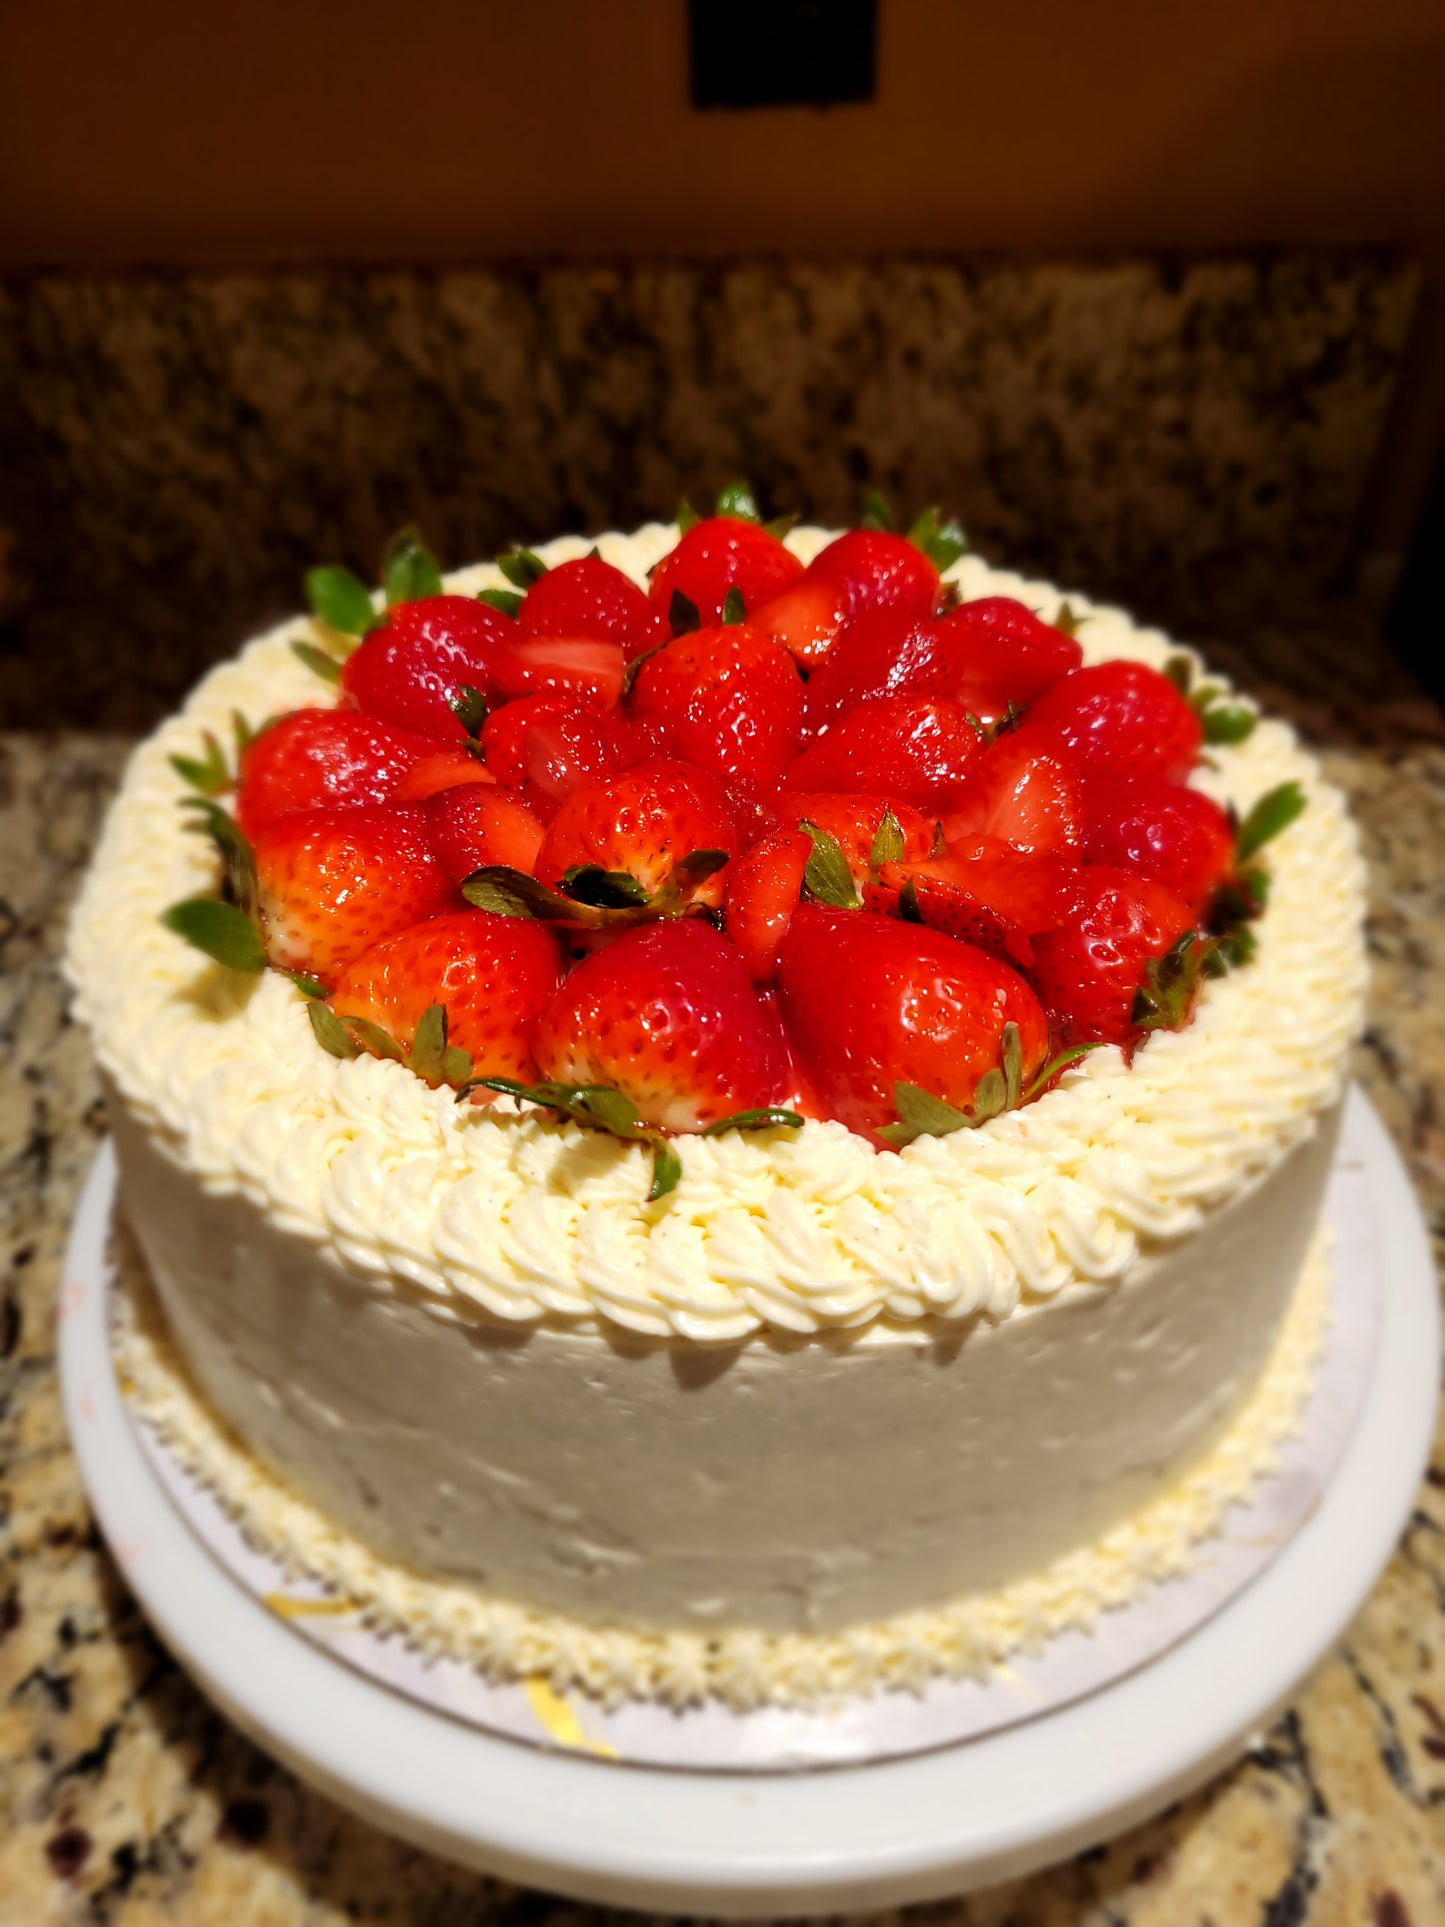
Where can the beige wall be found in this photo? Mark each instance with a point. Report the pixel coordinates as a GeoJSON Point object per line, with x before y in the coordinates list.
{"type": "Point", "coordinates": [207, 130]}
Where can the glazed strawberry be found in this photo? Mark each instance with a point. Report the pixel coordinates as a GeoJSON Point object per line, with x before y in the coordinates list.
{"type": "Point", "coordinates": [934, 893]}
{"type": "Point", "coordinates": [1023, 795]}
{"type": "Point", "coordinates": [1118, 719]}
{"type": "Point", "coordinates": [806, 619]}
{"type": "Point", "coordinates": [985, 655]}
{"type": "Point", "coordinates": [1088, 970]}
{"type": "Point", "coordinates": [1026, 886]}
{"type": "Point", "coordinates": [322, 759]}
{"type": "Point", "coordinates": [878, 570]}
{"type": "Point", "coordinates": [666, 1014]}
{"type": "Point", "coordinates": [418, 664]}
{"type": "Point", "coordinates": [585, 667]}
{"type": "Point", "coordinates": [870, 1003]}
{"type": "Point", "coordinates": [853, 822]}
{"type": "Point", "coordinates": [719, 554]}
{"type": "Point", "coordinates": [1177, 836]}
{"type": "Point", "coordinates": [476, 825]}
{"type": "Point", "coordinates": [589, 597]}
{"type": "Point", "coordinates": [728, 699]}
{"type": "Point", "coordinates": [492, 975]}
{"type": "Point", "coordinates": [919, 748]}
{"type": "Point", "coordinates": [764, 886]}
{"type": "Point", "coordinates": [546, 747]}
{"type": "Point", "coordinates": [642, 821]}
{"type": "Point", "coordinates": [443, 770]}
{"type": "Point", "coordinates": [334, 882]}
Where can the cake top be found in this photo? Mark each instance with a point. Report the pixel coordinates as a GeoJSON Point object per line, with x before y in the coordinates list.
{"type": "Point", "coordinates": [879, 874]}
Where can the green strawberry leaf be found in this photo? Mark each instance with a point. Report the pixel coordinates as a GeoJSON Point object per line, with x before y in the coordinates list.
{"type": "Point", "coordinates": [308, 986]}
{"type": "Point", "coordinates": [1274, 812]}
{"type": "Point", "coordinates": [220, 930]}
{"type": "Point", "coordinates": [603, 889]}
{"type": "Point", "coordinates": [409, 571]}
{"type": "Point", "coordinates": [826, 877]}
{"type": "Point", "coordinates": [762, 1120]}
{"type": "Point", "coordinates": [696, 867]}
{"type": "Point", "coordinates": [1171, 983]}
{"type": "Point", "coordinates": [330, 1033]}
{"type": "Point", "coordinates": [512, 893]}
{"type": "Point", "coordinates": [1012, 1057]}
{"type": "Point", "coordinates": [877, 514]}
{"type": "Point", "coordinates": [687, 516]}
{"type": "Point", "coordinates": [319, 661]}
{"type": "Point", "coordinates": [1228, 723]}
{"type": "Point", "coordinates": [1066, 622]}
{"type": "Point", "coordinates": [682, 613]}
{"type": "Point", "coordinates": [469, 706]}
{"type": "Point", "coordinates": [1055, 1067]}
{"type": "Point", "coordinates": [207, 775]}
{"type": "Point", "coordinates": [601, 1107]}
{"type": "Point", "coordinates": [666, 1170]}
{"type": "Point", "coordinates": [921, 1114]}
{"type": "Point", "coordinates": [737, 500]}
{"type": "Point", "coordinates": [734, 610]}
{"type": "Point", "coordinates": [244, 733]}
{"type": "Point", "coordinates": [1180, 671]}
{"type": "Point", "coordinates": [942, 542]}
{"type": "Point", "coordinates": [630, 673]}
{"type": "Point", "coordinates": [782, 525]}
{"type": "Point", "coordinates": [380, 1042]}
{"type": "Point", "coordinates": [431, 1057]}
{"type": "Point", "coordinates": [521, 567]}
{"type": "Point", "coordinates": [888, 843]}
{"type": "Point", "coordinates": [237, 860]}
{"type": "Point", "coordinates": [507, 600]}
{"type": "Point", "coordinates": [338, 599]}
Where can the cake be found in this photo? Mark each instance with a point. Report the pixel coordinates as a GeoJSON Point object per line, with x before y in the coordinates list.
{"type": "Point", "coordinates": [859, 1211]}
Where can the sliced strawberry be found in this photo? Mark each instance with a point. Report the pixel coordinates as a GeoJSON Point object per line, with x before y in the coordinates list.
{"type": "Point", "coordinates": [416, 668]}
{"type": "Point", "coordinates": [727, 699]}
{"type": "Point", "coordinates": [548, 746]}
{"type": "Point", "coordinates": [589, 597]}
{"type": "Point", "coordinates": [1027, 887]}
{"type": "Point", "coordinates": [474, 826]}
{"type": "Point", "coordinates": [588, 667]}
{"type": "Point", "coordinates": [870, 658]}
{"type": "Point", "coordinates": [1089, 969]}
{"type": "Point", "coordinates": [1118, 719]}
{"type": "Point", "coordinates": [443, 770]}
{"type": "Point", "coordinates": [919, 748]}
{"type": "Point", "coordinates": [871, 1003]}
{"type": "Point", "coordinates": [1178, 836]}
{"type": "Point", "coordinates": [643, 821]}
{"type": "Point", "coordinates": [878, 570]}
{"type": "Point", "coordinates": [934, 894]}
{"type": "Point", "coordinates": [492, 975]}
{"type": "Point", "coordinates": [764, 886]}
{"type": "Point", "coordinates": [806, 619]}
{"type": "Point", "coordinates": [332, 883]}
{"type": "Point", "coordinates": [719, 554]}
{"type": "Point", "coordinates": [854, 822]}
{"type": "Point", "coordinates": [666, 1015]}
{"type": "Point", "coordinates": [323, 759]}
{"type": "Point", "coordinates": [1024, 795]}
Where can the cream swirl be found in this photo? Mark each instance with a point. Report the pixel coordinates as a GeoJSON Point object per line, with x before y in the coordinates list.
{"type": "Point", "coordinates": [508, 1216]}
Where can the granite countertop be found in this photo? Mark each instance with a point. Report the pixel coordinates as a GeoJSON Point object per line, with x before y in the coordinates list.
{"type": "Point", "coordinates": [124, 1797]}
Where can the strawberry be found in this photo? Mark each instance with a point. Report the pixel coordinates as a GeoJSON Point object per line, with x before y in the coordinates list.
{"type": "Point", "coordinates": [443, 770]}
{"type": "Point", "coordinates": [918, 748]}
{"type": "Point", "coordinates": [1118, 719]}
{"type": "Point", "coordinates": [878, 570]}
{"type": "Point", "coordinates": [474, 825]}
{"type": "Point", "coordinates": [666, 1015]}
{"type": "Point", "coordinates": [854, 822]}
{"type": "Point", "coordinates": [1025, 886]}
{"type": "Point", "coordinates": [728, 699]}
{"type": "Point", "coordinates": [870, 658]}
{"type": "Point", "coordinates": [1090, 969]}
{"type": "Point", "coordinates": [1022, 795]}
{"type": "Point", "coordinates": [589, 597]}
{"type": "Point", "coordinates": [935, 894]}
{"type": "Point", "coordinates": [587, 667]}
{"type": "Point", "coordinates": [548, 746]}
{"type": "Point", "coordinates": [493, 976]}
{"type": "Point", "coordinates": [764, 886]}
{"type": "Point", "coordinates": [872, 1004]}
{"type": "Point", "coordinates": [331, 883]}
{"type": "Point", "coordinates": [718, 554]}
{"type": "Point", "coordinates": [419, 664]}
{"type": "Point", "coordinates": [322, 759]}
{"type": "Point", "coordinates": [1175, 835]}
{"type": "Point", "coordinates": [805, 619]}
{"type": "Point", "coordinates": [642, 821]}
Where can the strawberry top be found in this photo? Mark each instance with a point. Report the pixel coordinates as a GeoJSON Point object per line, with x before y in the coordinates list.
{"type": "Point", "coordinates": [661, 866]}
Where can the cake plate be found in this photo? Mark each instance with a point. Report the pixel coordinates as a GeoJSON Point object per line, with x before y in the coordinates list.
{"type": "Point", "coordinates": [845, 1839]}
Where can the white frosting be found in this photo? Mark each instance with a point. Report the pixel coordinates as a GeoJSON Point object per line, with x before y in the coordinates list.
{"type": "Point", "coordinates": [498, 1216]}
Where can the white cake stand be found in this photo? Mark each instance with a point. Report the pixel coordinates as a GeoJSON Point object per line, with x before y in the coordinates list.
{"type": "Point", "coordinates": [843, 1840]}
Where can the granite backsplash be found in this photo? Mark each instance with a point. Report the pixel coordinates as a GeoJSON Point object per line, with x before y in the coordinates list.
{"type": "Point", "coordinates": [1193, 437]}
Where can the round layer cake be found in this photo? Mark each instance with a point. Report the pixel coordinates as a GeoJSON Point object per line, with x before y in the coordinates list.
{"type": "Point", "coordinates": [822, 1390]}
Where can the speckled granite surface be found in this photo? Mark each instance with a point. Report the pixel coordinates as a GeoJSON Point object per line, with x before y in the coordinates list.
{"type": "Point", "coordinates": [125, 1798]}
{"type": "Point", "coordinates": [174, 451]}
